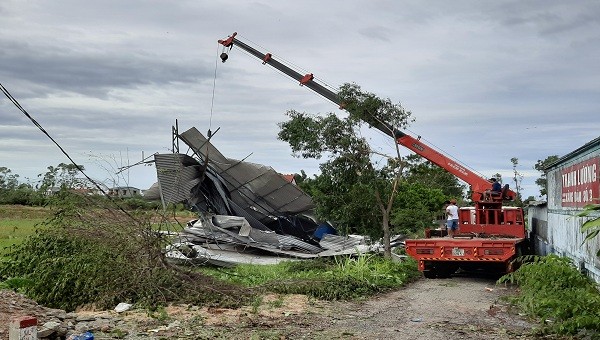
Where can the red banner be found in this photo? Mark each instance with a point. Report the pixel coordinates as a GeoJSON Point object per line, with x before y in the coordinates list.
{"type": "Point", "coordinates": [581, 184]}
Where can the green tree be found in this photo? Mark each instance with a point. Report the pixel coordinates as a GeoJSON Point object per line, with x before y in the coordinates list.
{"type": "Point", "coordinates": [8, 180]}
{"type": "Point", "coordinates": [416, 207]}
{"type": "Point", "coordinates": [352, 189]}
{"type": "Point", "coordinates": [13, 192]}
{"type": "Point", "coordinates": [62, 176]}
{"type": "Point", "coordinates": [517, 179]}
{"type": "Point", "coordinates": [540, 166]}
{"type": "Point", "coordinates": [419, 170]}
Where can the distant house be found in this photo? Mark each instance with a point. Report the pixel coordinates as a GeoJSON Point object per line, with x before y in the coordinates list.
{"type": "Point", "coordinates": [290, 178]}
{"type": "Point", "coordinates": [124, 191]}
{"type": "Point", "coordinates": [50, 191]}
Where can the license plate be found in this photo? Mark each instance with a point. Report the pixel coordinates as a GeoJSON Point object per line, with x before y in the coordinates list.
{"type": "Point", "coordinates": [458, 252]}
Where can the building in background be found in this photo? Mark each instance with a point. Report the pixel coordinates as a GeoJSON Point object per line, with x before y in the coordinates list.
{"type": "Point", "coordinates": [125, 192]}
{"type": "Point", "coordinates": [573, 182]}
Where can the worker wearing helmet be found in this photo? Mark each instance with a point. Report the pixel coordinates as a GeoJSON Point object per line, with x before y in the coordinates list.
{"type": "Point", "coordinates": [452, 222]}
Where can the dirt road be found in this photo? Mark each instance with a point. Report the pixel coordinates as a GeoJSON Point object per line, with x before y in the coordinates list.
{"type": "Point", "coordinates": [455, 308]}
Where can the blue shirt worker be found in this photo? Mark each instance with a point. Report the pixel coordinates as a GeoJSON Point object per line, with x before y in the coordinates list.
{"type": "Point", "coordinates": [496, 190]}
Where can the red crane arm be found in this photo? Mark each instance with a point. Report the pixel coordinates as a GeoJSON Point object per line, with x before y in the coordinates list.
{"type": "Point", "coordinates": [478, 184]}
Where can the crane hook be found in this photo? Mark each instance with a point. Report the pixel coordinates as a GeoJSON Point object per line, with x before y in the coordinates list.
{"type": "Point", "coordinates": [224, 57]}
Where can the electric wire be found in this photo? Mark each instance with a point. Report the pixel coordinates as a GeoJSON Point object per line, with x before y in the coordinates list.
{"type": "Point", "coordinates": [64, 152]}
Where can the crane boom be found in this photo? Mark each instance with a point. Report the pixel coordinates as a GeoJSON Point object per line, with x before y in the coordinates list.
{"type": "Point", "coordinates": [491, 235]}
{"type": "Point", "coordinates": [477, 183]}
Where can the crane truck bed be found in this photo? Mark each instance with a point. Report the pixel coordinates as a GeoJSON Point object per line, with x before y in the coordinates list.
{"type": "Point", "coordinates": [490, 237]}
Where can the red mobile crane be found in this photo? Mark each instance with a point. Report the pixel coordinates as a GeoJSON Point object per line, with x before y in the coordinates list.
{"type": "Point", "coordinates": [490, 235]}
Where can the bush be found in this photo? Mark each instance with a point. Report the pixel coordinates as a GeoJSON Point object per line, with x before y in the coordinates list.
{"type": "Point", "coordinates": [554, 291]}
{"type": "Point", "coordinates": [324, 278]}
{"type": "Point", "coordinates": [103, 257]}
{"type": "Point", "coordinates": [22, 196]}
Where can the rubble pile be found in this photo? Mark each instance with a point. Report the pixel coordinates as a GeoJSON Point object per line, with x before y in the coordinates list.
{"type": "Point", "coordinates": [248, 213]}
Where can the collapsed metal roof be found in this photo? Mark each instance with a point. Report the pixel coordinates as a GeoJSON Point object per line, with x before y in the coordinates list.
{"type": "Point", "coordinates": [216, 184]}
{"type": "Point", "coordinates": [243, 207]}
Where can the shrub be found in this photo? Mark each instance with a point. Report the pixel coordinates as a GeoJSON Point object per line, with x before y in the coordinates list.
{"type": "Point", "coordinates": [554, 291]}
{"type": "Point", "coordinates": [325, 278]}
{"type": "Point", "coordinates": [103, 257]}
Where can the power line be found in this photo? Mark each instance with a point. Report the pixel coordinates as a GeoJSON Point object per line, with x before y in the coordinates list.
{"type": "Point", "coordinates": [41, 128]}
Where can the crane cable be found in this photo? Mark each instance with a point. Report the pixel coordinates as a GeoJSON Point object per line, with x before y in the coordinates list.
{"type": "Point", "coordinates": [212, 100]}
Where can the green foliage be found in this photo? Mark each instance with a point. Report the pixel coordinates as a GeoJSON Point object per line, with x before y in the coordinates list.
{"type": "Point", "coordinates": [421, 171]}
{"type": "Point", "coordinates": [18, 284]}
{"type": "Point", "coordinates": [103, 257]}
{"type": "Point", "coordinates": [8, 180]}
{"type": "Point", "coordinates": [311, 136]}
{"type": "Point", "coordinates": [592, 226]}
{"type": "Point", "coordinates": [541, 166]}
{"type": "Point", "coordinates": [342, 278]}
{"type": "Point", "coordinates": [59, 269]}
{"type": "Point", "coordinates": [346, 200]}
{"type": "Point", "coordinates": [368, 108]}
{"type": "Point", "coordinates": [62, 176]}
{"type": "Point", "coordinates": [417, 207]}
{"type": "Point", "coordinates": [22, 195]}
{"type": "Point", "coordinates": [552, 289]}
{"type": "Point", "coordinates": [517, 180]}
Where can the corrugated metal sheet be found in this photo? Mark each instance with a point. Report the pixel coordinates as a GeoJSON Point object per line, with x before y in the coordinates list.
{"type": "Point", "coordinates": [336, 242]}
{"type": "Point", "coordinates": [177, 174]}
{"type": "Point", "coordinates": [258, 189]}
{"type": "Point", "coordinates": [263, 211]}
{"type": "Point", "coordinates": [228, 246]}
{"type": "Point", "coordinates": [537, 222]}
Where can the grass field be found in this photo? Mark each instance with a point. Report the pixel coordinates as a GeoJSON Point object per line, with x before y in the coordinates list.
{"type": "Point", "coordinates": [17, 222]}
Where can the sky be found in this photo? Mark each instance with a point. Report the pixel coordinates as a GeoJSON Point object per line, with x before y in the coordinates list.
{"type": "Point", "coordinates": [486, 81]}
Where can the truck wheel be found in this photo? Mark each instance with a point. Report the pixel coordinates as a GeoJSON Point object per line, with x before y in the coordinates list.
{"type": "Point", "coordinates": [429, 273]}
{"type": "Point", "coordinates": [445, 271]}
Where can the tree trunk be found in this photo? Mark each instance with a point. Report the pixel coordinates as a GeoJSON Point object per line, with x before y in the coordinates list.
{"type": "Point", "coordinates": [387, 251]}
{"type": "Point", "coordinates": [385, 223]}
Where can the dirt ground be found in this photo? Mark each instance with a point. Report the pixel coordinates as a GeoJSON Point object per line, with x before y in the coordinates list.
{"type": "Point", "coordinates": [464, 307]}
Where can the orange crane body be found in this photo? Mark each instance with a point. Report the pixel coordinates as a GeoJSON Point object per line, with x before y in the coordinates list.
{"type": "Point", "coordinates": [490, 235]}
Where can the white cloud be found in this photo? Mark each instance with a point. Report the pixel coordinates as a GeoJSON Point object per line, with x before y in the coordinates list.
{"type": "Point", "coordinates": [486, 81]}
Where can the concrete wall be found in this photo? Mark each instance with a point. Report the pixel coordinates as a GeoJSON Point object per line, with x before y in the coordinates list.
{"type": "Point", "coordinates": [537, 223]}
{"type": "Point", "coordinates": [573, 182]}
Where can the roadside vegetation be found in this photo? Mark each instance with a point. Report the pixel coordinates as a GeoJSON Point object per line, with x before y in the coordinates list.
{"type": "Point", "coordinates": [340, 278]}
{"type": "Point", "coordinates": [89, 252]}
{"type": "Point", "coordinates": [555, 293]}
